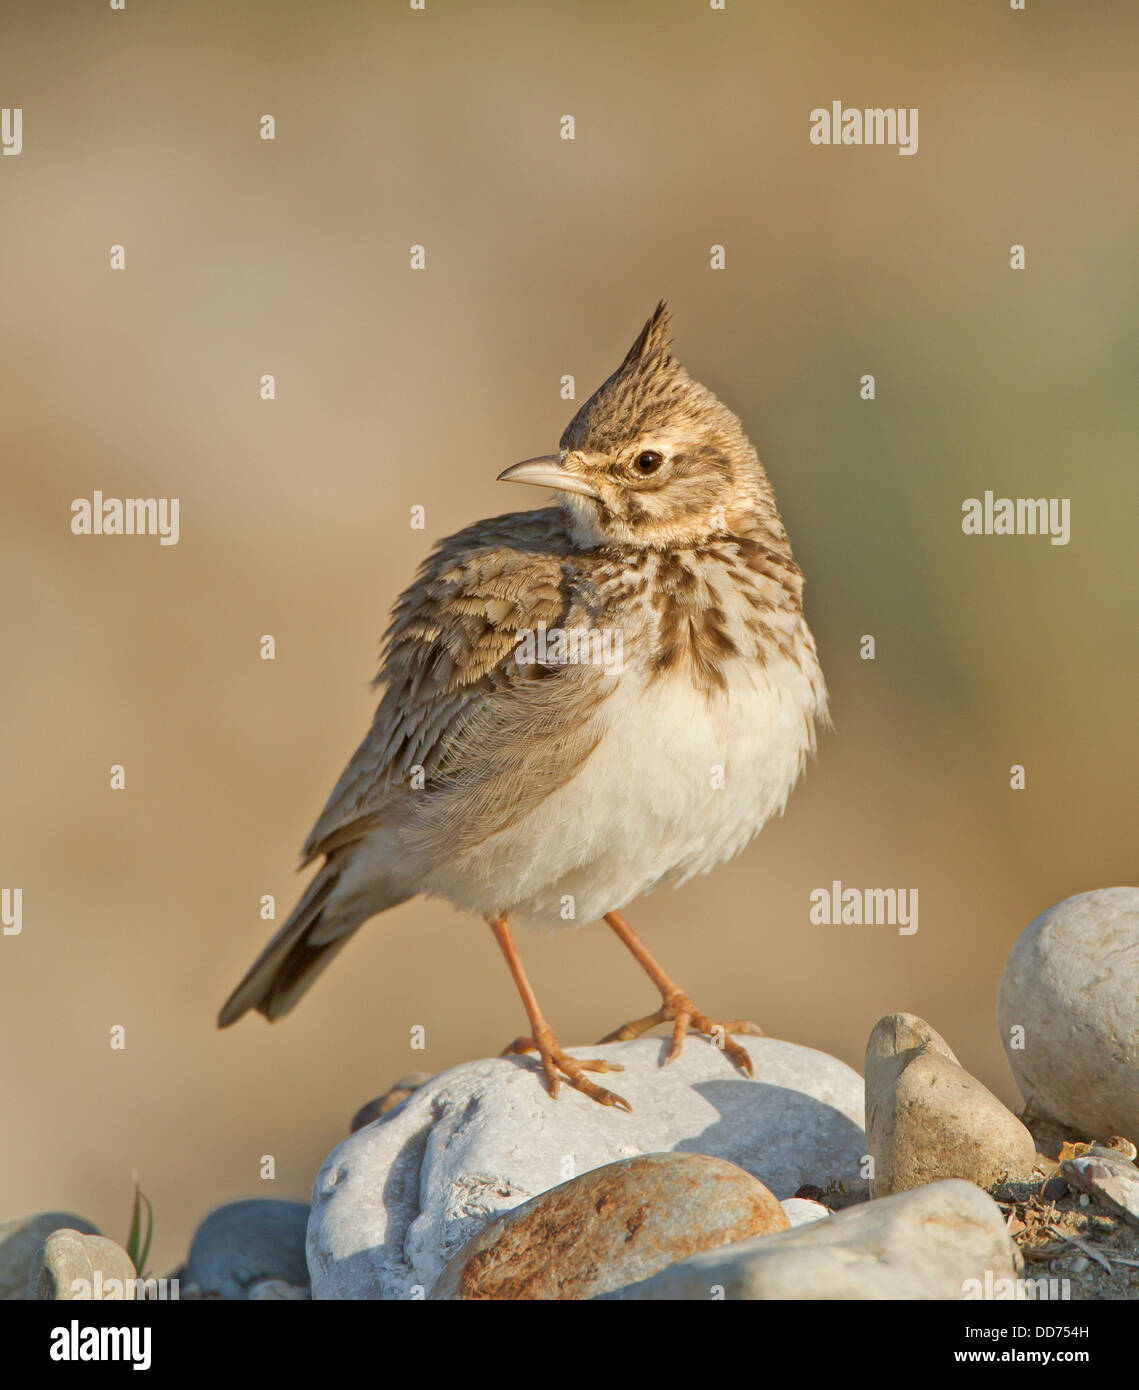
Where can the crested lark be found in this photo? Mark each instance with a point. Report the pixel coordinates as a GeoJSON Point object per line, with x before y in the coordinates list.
{"type": "Point", "coordinates": [513, 784]}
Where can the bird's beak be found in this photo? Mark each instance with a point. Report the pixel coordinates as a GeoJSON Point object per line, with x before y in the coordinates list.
{"type": "Point", "coordinates": [547, 471]}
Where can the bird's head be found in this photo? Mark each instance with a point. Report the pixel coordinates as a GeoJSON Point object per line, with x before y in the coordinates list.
{"type": "Point", "coordinates": [653, 459]}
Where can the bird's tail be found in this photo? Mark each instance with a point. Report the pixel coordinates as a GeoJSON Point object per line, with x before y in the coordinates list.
{"type": "Point", "coordinates": [306, 943]}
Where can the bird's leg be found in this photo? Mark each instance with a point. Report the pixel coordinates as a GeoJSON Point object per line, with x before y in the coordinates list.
{"type": "Point", "coordinates": [676, 1007]}
{"type": "Point", "coordinates": [542, 1039]}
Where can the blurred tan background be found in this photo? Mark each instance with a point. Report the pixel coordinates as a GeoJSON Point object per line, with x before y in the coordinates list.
{"type": "Point", "coordinates": [397, 388]}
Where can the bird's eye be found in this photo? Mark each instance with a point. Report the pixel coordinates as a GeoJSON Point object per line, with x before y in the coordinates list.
{"type": "Point", "coordinates": [648, 462]}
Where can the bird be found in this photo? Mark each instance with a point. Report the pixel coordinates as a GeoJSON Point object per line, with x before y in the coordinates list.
{"type": "Point", "coordinates": [580, 703]}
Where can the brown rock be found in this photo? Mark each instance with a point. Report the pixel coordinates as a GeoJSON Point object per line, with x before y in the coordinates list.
{"type": "Point", "coordinates": [945, 1241]}
{"type": "Point", "coordinates": [404, 1087]}
{"type": "Point", "coordinates": [617, 1224]}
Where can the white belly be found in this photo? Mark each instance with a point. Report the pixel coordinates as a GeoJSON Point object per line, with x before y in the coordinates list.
{"type": "Point", "coordinates": [680, 783]}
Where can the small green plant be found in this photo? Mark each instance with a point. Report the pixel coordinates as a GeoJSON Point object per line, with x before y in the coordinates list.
{"type": "Point", "coordinates": [138, 1244]}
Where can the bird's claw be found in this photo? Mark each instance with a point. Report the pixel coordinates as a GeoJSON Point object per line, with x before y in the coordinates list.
{"type": "Point", "coordinates": [679, 1010]}
{"type": "Point", "coordinates": [557, 1066]}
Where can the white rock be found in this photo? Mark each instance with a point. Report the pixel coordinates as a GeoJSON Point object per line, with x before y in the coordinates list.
{"type": "Point", "coordinates": [276, 1290]}
{"type": "Point", "coordinates": [930, 1242]}
{"type": "Point", "coordinates": [801, 1211]}
{"type": "Point", "coordinates": [1072, 985]}
{"type": "Point", "coordinates": [398, 1198]}
{"type": "Point", "coordinates": [74, 1265]}
{"type": "Point", "coordinates": [21, 1239]}
{"type": "Point", "coordinates": [1110, 1179]}
{"type": "Point", "coordinates": [927, 1118]}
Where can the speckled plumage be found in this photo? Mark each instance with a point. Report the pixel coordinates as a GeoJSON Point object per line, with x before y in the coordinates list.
{"type": "Point", "coordinates": [509, 788]}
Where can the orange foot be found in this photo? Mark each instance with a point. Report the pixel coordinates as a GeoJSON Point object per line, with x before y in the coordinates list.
{"type": "Point", "coordinates": [680, 1011]}
{"type": "Point", "coordinates": [554, 1060]}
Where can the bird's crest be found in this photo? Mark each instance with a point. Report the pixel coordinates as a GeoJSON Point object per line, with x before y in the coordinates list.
{"type": "Point", "coordinates": [645, 387]}
{"type": "Point", "coordinates": [652, 339]}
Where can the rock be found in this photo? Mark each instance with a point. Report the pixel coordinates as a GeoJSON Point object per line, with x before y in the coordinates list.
{"type": "Point", "coordinates": [801, 1211]}
{"type": "Point", "coordinates": [21, 1239]}
{"type": "Point", "coordinates": [927, 1118]}
{"type": "Point", "coordinates": [72, 1264]}
{"type": "Point", "coordinates": [404, 1087]}
{"type": "Point", "coordinates": [928, 1243]}
{"type": "Point", "coordinates": [1072, 985]}
{"type": "Point", "coordinates": [245, 1243]}
{"type": "Point", "coordinates": [1115, 1147]}
{"type": "Point", "coordinates": [273, 1290]}
{"type": "Point", "coordinates": [1107, 1178]}
{"type": "Point", "coordinates": [609, 1227]}
{"type": "Point", "coordinates": [397, 1200]}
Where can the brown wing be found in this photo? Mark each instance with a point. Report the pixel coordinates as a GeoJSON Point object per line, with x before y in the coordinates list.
{"type": "Point", "coordinates": [492, 740]}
